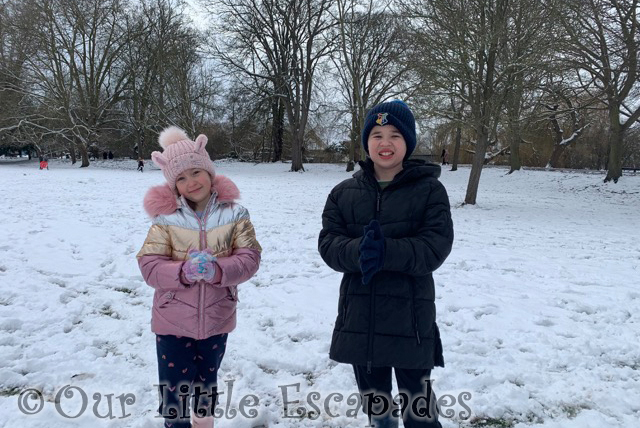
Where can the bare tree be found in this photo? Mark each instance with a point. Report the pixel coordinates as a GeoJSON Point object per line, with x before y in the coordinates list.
{"type": "Point", "coordinates": [77, 73]}
{"type": "Point", "coordinates": [603, 38]}
{"type": "Point", "coordinates": [564, 110]}
{"type": "Point", "coordinates": [461, 42]}
{"type": "Point", "coordinates": [168, 80]}
{"type": "Point", "coordinates": [368, 62]}
{"type": "Point", "coordinates": [16, 45]}
{"type": "Point", "coordinates": [280, 41]}
{"type": "Point", "coordinates": [527, 54]}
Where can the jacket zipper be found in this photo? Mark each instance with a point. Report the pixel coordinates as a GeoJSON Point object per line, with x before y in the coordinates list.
{"type": "Point", "coordinates": [372, 297]}
{"type": "Point", "coordinates": [203, 244]}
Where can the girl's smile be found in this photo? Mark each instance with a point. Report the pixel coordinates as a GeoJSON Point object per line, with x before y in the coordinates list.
{"type": "Point", "coordinates": [195, 185]}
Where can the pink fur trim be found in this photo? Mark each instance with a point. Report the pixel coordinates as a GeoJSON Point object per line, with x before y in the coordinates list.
{"type": "Point", "coordinates": [162, 200]}
{"type": "Point", "coordinates": [227, 190]}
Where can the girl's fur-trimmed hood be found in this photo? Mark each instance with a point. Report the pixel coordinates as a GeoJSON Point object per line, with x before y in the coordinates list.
{"type": "Point", "coordinates": [162, 200]}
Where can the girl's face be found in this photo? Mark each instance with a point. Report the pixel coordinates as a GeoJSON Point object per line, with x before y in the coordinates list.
{"type": "Point", "coordinates": [195, 185]}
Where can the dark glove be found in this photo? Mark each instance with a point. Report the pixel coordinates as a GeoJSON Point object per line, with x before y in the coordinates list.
{"type": "Point", "coordinates": [371, 251]}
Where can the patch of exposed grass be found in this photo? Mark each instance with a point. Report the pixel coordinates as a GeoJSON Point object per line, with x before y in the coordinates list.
{"type": "Point", "coordinates": [108, 311]}
{"type": "Point", "coordinates": [483, 422]}
{"type": "Point", "coordinates": [10, 391]}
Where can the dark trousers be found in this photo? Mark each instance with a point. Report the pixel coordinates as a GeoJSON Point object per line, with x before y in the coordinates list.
{"type": "Point", "coordinates": [414, 393]}
{"type": "Point", "coordinates": [188, 374]}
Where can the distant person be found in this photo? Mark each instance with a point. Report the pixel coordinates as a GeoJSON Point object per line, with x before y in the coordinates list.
{"type": "Point", "coordinates": [140, 165]}
{"type": "Point", "coordinates": [199, 248]}
{"type": "Point", "coordinates": [44, 163]}
{"type": "Point", "coordinates": [110, 155]}
{"type": "Point", "coordinates": [387, 230]}
{"type": "Point", "coordinates": [445, 157]}
{"type": "Point", "coordinates": [105, 155]}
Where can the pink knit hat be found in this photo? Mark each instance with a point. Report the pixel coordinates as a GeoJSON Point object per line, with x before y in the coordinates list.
{"type": "Point", "coordinates": [181, 154]}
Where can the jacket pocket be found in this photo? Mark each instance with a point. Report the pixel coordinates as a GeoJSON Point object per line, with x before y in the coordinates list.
{"type": "Point", "coordinates": [172, 298]}
{"type": "Point", "coordinates": [414, 316]}
{"type": "Point", "coordinates": [175, 310]}
{"type": "Point", "coordinates": [345, 304]}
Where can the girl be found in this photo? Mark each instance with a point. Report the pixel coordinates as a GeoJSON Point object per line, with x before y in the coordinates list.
{"type": "Point", "coordinates": [200, 246]}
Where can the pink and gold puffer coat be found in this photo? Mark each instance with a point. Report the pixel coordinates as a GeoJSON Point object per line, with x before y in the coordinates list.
{"type": "Point", "coordinates": [199, 310]}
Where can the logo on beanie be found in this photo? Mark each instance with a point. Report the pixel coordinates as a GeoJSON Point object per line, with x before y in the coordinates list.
{"type": "Point", "coordinates": [382, 119]}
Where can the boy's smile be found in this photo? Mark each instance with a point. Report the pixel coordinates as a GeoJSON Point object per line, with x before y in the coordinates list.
{"type": "Point", "coordinates": [387, 149]}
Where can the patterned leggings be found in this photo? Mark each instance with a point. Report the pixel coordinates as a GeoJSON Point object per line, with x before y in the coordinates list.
{"type": "Point", "coordinates": [188, 373]}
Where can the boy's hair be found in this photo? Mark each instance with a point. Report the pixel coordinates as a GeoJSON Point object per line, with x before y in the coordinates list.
{"type": "Point", "coordinates": [395, 113]}
{"type": "Point", "coordinates": [181, 154]}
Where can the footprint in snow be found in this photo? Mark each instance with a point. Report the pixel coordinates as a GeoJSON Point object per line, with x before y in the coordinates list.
{"type": "Point", "coordinates": [58, 282]}
{"type": "Point", "coordinates": [487, 310]}
{"type": "Point", "coordinates": [545, 322]}
{"type": "Point", "coordinates": [66, 297]}
{"type": "Point", "coordinates": [107, 262]}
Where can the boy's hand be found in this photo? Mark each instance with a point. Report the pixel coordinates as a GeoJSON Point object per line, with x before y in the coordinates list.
{"type": "Point", "coordinates": [371, 251]}
{"type": "Point", "coordinates": [199, 266]}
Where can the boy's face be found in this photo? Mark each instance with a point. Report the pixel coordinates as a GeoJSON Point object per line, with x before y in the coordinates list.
{"type": "Point", "coordinates": [387, 148]}
{"type": "Point", "coordinates": [195, 185]}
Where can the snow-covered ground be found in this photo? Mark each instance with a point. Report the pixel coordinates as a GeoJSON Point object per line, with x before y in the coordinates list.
{"type": "Point", "coordinates": [537, 304]}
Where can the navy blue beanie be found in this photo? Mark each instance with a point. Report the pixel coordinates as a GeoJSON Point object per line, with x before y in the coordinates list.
{"type": "Point", "coordinates": [395, 113]}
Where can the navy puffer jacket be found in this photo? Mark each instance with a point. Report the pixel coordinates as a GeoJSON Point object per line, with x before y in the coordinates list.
{"type": "Point", "coordinates": [392, 320]}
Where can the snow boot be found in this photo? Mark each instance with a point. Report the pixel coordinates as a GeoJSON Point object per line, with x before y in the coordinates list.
{"type": "Point", "coordinates": [198, 422]}
{"type": "Point", "coordinates": [383, 422]}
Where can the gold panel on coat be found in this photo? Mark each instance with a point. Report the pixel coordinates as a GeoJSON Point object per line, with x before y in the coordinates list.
{"type": "Point", "coordinates": [245, 236]}
{"type": "Point", "coordinates": [156, 243]}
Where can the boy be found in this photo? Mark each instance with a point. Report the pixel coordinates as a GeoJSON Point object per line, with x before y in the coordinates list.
{"type": "Point", "coordinates": [387, 229]}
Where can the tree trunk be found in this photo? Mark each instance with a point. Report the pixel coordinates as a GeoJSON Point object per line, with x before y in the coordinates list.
{"type": "Point", "coordinates": [351, 166]}
{"type": "Point", "coordinates": [84, 155]}
{"type": "Point", "coordinates": [72, 153]}
{"type": "Point", "coordinates": [277, 129]}
{"type": "Point", "coordinates": [357, 149]}
{"type": "Point", "coordinates": [456, 148]}
{"type": "Point", "coordinates": [516, 138]}
{"type": "Point", "coordinates": [296, 153]}
{"type": "Point", "coordinates": [354, 145]}
{"type": "Point", "coordinates": [514, 157]}
{"type": "Point", "coordinates": [476, 169]}
{"type": "Point", "coordinates": [616, 134]}
{"type": "Point", "coordinates": [554, 161]}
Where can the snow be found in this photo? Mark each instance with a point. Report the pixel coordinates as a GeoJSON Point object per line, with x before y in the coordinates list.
{"type": "Point", "coordinates": [537, 304]}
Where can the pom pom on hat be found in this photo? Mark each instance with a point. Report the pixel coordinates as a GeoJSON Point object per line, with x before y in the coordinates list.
{"type": "Point", "coordinates": [171, 135]}
{"type": "Point", "coordinates": [395, 113]}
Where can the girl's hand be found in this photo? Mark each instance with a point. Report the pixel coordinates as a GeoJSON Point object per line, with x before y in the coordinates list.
{"type": "Point", "coordinates": [200, 266]}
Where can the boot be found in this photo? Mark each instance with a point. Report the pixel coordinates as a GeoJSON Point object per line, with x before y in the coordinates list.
{"type": "Point", "coordinates": [198, 422]}
{"type": "Point", "coordinates": [387, 421]}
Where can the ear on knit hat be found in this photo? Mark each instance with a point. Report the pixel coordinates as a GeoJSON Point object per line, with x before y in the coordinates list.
{"type": "Point", "coordinates": [158, 159]}
{"type": "Point", "coordinates": [201, 141]}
